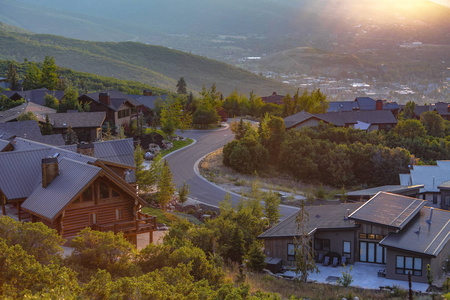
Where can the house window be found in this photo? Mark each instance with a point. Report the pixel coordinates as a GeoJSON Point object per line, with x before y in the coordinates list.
{"type": "Point", "coordinates": [363, 235]}
{"type": "Point", "coordinates": [87, 195]}
{"type": "Point", "coordinates": [322, 244]}
{"type": "Point", "coordinates": [447, 200]}
{"type": "Point", "coordinates": [372, 253]}
{"type": "Point", "coordinates": [93, 218]}
{"type": "Point", "coordinates": [347, 249]}
{"type": "Point", "coordinates": [434, 198]}
{"type": "Point", "coordinates": [104, 190]}
{"type": "Point", "coordinates": [123, 113]}
{"type": "Point", "coordinates": [119, 213]}
{"type": "Point", "coordinates": [291, 252]}
{"type": "Point", "coordinates": [115, 193]}
{"type": "Point", "coordinates": [406, 264]}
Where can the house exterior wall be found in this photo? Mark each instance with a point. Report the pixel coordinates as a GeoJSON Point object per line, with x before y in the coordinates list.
{"type": "Point", "coordinates": [84, 134]}
{"type": "Point", "coordinates": [337, 238]}
{"type": "Point", "coordinates": [438, 262]}
{"type": "Point", "coordinates": [433, 199]}
{"type": "Point", "coordinates": [123, 120]}
{"type": "Point", "coordinates": [445, 199]}
{"type": "Point", "coordinates": [95, 106]}
{"type": "Point", "coordinates": [77, 214]}
{"type": "Point", "coordinates": [391, 258]}
{"type": "Point", "coordinates": [278, 248]}
{"type": "Point", "coordinates": [369, 233]}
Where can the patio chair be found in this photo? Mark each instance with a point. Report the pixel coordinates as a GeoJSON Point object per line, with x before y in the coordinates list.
{"type": "Point", "coordinates": [344, 260]}
{"type": "Point", "coordinates": [382, 273]}
{"type": "Point", "coordinates": [320, 259]}
{"type": "Point", "coordinates": [326, 262]}
{"type": "Point", "coordinates": [335, 261]}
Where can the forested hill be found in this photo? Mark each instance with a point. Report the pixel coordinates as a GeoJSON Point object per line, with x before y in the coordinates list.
{"type": "Point", "coordinates": [154, 65]}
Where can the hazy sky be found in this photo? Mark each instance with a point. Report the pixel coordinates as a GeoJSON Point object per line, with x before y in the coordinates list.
{"type": "Point", "coordinates": [443, 2]}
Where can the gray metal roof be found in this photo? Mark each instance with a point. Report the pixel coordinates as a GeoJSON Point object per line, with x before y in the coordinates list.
{"type": "Point", "coordinates": [320, 217]}
{"type": "Point", "coordinates": [386, 209]}
{"type": "Point", "coordinates": [120, 151]}
{"type": "Point", "coordinates": [30, 130]}
{"type": "Point", "coordinates": [3, 144]}
{"type": "Point", "coordinates": [50, 201]}
{"type": "Point", "coordinates": [342, 106]}
{"type": "Point", "coordinates": [149, 101]}
{"type": "Point", "coordinates": [420, 236]}
{"type": "Point", "coordinates": [352, 117]}
{"type": "Point", "coordinates": [430, 176]}
{"type": "Point", "coordinates": [116, 98]}
{"type": "Point", "coordinates": [385, 188]}
{"type": "Point", "coordinates": [77, 120]}
{"type": "Point", "coordinates": [13, 113]}
{"type": "Point", "coordinates": [37, 95]}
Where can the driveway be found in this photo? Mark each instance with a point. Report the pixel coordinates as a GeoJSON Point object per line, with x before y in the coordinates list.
{"type": "Point", "coordinates": [184, 163]}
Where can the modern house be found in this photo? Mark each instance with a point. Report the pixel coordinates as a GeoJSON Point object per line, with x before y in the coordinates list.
{"type": "Point", "coordinates": [86, 125]}
{"type": "Point", "coordinates": [435, 181]}
{"type": "Point", "coordinates": [69, 191]}
{"type": "Point", "coordinates": [120, 109]}
{"type": "Point", "coordinates": [394, 231]}
{"type": "Point", "coordinates": [12, 114]}
{"type": "Point", "coordinates": [364, 120]}
{"type": "Point", "coordinates": [36, 96]}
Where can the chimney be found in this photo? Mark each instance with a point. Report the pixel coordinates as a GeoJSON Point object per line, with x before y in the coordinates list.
{"type": "Point", "coordinates": [448, 108]}
{"type": "Point", "coordinates": [274, 93]}
{"type": "Point", "coordinates": [379, 105]}
{"type": "Point", "coordinates": [104, 98]}
{"type": "Point", "coordinates": [86, 149]}
{"type": "Point", "coordinates": [50, 169]}
{"type": "Point", "coordinates": [147, 93]}
{"type": "Point", "coordinates": [429, 221]}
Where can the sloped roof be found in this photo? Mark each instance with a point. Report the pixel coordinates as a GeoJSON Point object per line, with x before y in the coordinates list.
{"type": "Point", "coordinates": [337, 106]}
{"type": "Point", "coordinates": [77, 120]}
{"type": "Point", "coordinates": [386, 188]}
{"type": "Point", "coordinates": [117, 99]}
{"type": "Point", "coordinates": [37, 95]}
{"type": "Point", "coordinates": [430, 176]}
{"type": "Point", "coordinates": [352, 117]}
{"type": "Point", "coordinates": [73, 177]}
{"type": "Point", "coordinates": [390, 210]}
{"type": "Point", "coordinates": [274, 98]}
{"type": "Point", "coordinates": [298, 118]}
{"type": "Point", "coordinates": [148, 101]}
{"type": "Point", "coordinates": [30, 130]}
{"type": "Point", "coordinates": [320, 217]}
{"type": "Point", "coordinates": [13, 113]}
{"type": "Point", "coordinates": [420, 236]}
{"type": "Point", "coordinates": [3, 144]}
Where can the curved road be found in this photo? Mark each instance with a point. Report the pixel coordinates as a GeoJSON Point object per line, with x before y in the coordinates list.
{"type": "Point", "coordinates": [182, 164]}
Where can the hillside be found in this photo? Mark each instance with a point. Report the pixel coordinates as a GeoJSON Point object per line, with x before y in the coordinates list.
{"type": "Point", "coordinates": [154, 65]}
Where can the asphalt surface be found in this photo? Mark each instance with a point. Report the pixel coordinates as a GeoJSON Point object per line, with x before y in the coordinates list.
{"type": "Point", "coordinates": [183, 164]}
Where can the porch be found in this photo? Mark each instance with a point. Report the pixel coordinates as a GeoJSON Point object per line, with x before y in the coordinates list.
{"type": "Point", "coordinates": [365, 275]}
{"type": "Point", "coordinates": [143, 224]}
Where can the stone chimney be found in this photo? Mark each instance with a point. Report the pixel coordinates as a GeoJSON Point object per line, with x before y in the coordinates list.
{"type": "Point", "coordinates": [274, 93]}
{"type": "Point", "coordinates": [104, 98]}
{"type": "Point", "coordinates": [50, 169]}
{"type": "Point", "coordinates": [86, 149]}
{"type": "Point", "coordinates": [379, 105]}
{"type": "Point", "coordinates": [147, 93]}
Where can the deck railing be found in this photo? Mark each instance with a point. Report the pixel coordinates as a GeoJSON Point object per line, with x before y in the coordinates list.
{"type": "Point", "coordinates": [143, 223]}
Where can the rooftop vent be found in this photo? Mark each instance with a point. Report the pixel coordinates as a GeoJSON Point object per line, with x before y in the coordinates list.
{"type": "Point", "coordinates": [429, 221]}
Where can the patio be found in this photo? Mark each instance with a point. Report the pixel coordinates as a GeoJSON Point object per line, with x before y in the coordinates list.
{"type": "Point", "coordinates": [364, 276]}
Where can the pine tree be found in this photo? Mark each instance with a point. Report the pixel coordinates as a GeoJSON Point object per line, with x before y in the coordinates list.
{"type": "Point", "coordinates": [304, 253]}
{"type": "Point", "coordinates": [121, 132]}
{"type": "Point", "coordinates": [144, 178]}
{"type": "Point", "coordinates": [49, 77]}
{"type": "Point", "coordinates": [256, 260]}
{"type": "Point", "coordinates": [71, 137]}
{"type": "Point", "coordinates": [237, 245]}
{"type": "Point", "coordinates": [32, 77]}
{"type": "Point", "coordinates": [183, 192]}
{"type": "Point", "coordinates": [272, 207]}
{"type": "Point", "coordinates": [181, 86]}
{"type": "Point", "coordinates": [46, 128]}
{"type": "Point", "coordinates": [51, 101]}
{"type": "Point", "coordinates": [166, 186]}
{"type": "Point", "coordinates": [107, 135]}
{"type": "Point", "coordinates": [13, 78]}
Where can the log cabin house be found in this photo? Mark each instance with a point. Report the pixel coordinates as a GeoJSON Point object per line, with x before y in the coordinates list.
{"type": "Point", "coordinates": [69, 191]}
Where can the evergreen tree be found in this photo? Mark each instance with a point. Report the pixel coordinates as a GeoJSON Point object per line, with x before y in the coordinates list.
{"type": "Point", "coordinates": [272, 207]}
{"type": "Point", "coordinates": [49, 77]}
{"type": "Point", "coordinates": [166, 186]}
{"type": "Point", "coordinates": [32, 77]}
{"type": "Point", "coordinates": [121, 132]}
{"type": "Point", "coordinates": [144, 177]}
{"type": "Point", "coordinates": [46, 128]}
{"type": "Point", "coordinates": [256, 260]}
{"type": "Point", "coordinates": [70, 100]}
{"type": "Point", "coordinates": [304, 253]}
{"type": "Point", "coordinates": [236, 249]}
{"type": "Point", "coordinates": [13, 78]}
{"type": "Point", "coordinates": [181, 86]}
{"type": "Point", "coordinates": [183, 192]}
{"type": "Point", "coordinates": [29, 116]}
{"type": "Point", "coordinates": [107, 135]}
{"type": "Point", "coordinates": [71, 137]}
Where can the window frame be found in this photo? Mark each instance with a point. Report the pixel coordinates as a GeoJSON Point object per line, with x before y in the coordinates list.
{"type": "Point", "coordinates": [347, 254]}
{"type": "Point", "coordinates": [415, 270]}
{"type": "Point", "coordinates": [93, 218]}
{"type": "Point", "coordinates": [319, 244]}
{"type": "Point", "coordinates": [290, 257]}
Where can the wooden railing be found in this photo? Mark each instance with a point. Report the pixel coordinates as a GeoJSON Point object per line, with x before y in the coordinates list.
{"type": "Point", "coordinates": [143, 223]}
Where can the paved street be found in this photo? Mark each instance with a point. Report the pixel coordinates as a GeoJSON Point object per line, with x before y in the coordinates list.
{"type": "Point", "coordinates": [182, 165]}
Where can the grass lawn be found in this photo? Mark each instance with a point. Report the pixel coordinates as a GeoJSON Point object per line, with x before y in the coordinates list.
{"type": "Point", "coordinates": [169, 218]}
{"type": "Point", "coordinates": [177, 145]}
